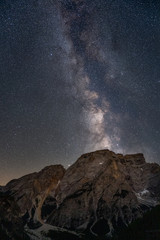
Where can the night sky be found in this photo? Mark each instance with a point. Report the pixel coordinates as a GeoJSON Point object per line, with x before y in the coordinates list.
{"type": "Point", "coordinates": [77, 76]}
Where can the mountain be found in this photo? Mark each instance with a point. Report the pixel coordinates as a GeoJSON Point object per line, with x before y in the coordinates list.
{"type": "Point", "coordinates": [99, 195]}
{"type": "Point", "coordinates": [104, 191]}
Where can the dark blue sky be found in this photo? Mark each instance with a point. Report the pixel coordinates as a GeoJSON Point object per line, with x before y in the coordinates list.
{"type": "Point", "coordinates": [76, 76]}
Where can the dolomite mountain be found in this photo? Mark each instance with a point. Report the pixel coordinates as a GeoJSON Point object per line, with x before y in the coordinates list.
{"type": "Point", "coordinates": [100, 193]}
{"type": "Point", "coordinates": [107, 189]}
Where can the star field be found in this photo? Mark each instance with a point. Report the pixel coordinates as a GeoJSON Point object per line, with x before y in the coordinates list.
{"type": "Point", "coordinates": [76, 76]}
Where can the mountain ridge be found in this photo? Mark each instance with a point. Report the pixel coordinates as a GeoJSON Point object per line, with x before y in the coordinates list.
{"type": "Point", "coordinates": [99, 194]}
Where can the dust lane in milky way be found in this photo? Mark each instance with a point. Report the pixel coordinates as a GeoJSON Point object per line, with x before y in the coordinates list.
{"type": "Point", "coordinates": [76, 76]}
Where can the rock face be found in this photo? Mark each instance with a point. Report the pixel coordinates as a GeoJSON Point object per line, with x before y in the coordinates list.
{"type": "Point", "coordinates": [103, 191]}
{"type": "Point", "coordinates": [29, 192]}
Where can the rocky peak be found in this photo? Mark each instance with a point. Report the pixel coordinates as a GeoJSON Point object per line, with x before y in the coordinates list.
{"type": "Point", "coordinates": [105, 186]}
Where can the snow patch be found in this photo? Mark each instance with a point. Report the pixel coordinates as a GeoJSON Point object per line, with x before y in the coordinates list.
{"type": "Point", "coordinates": [144, 192]}
{"type": "Point", "coordinates": [145, 198]}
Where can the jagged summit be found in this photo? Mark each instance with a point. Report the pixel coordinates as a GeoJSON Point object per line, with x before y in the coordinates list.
{"type": "Point", "coordinates": [136, 158]}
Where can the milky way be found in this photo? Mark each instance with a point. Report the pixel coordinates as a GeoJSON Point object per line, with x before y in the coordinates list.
{"type": "Point", "coordinates": [76, 76]}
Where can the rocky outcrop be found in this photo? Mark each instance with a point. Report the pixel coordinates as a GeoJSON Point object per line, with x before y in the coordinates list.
{"type": "Point", "coordinates": [103, 191]}
{"type": "Point", "coordinates": [29, 192]}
